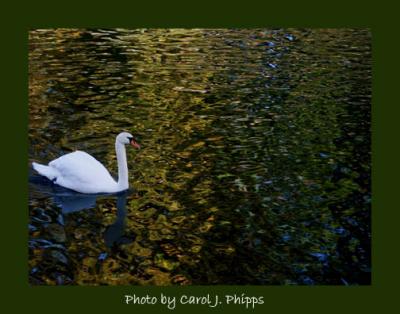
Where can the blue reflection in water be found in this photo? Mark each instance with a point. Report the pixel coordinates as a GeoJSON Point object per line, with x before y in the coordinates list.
{"type": "Point", "coordinates": [70, 201]}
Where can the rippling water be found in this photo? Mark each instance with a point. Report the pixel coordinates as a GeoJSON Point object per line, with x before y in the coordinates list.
{"type": "Point", "coordinates": [255, 159]}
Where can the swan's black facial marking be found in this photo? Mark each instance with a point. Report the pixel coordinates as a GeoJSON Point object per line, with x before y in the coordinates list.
{"type": "Point", "coordinates": [131, 139]}
{"type": "Point", "coordinates": [133, 142]}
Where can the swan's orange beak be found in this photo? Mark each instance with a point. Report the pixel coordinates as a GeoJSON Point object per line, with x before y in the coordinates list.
{"type": "Point", "coordinates": [134, 143]}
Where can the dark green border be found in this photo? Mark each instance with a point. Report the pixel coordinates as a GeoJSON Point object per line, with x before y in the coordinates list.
{"type": "Point", "coordinates": [18, 18]}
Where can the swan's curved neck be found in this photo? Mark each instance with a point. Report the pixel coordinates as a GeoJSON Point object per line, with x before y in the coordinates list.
{"type": "Point", "coordinates": [123, 183]}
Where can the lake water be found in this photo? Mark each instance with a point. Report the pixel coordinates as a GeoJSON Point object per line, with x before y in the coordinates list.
{"type": "Point", "coordinates": [255, 162]}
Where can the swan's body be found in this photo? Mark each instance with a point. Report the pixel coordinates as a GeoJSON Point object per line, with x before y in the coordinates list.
{"type": "Point", "coordinates": [81, 172]}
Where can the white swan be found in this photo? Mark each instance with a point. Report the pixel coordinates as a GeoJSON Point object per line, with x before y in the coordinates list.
{"type": "Point", "coordinates": [81, 172]}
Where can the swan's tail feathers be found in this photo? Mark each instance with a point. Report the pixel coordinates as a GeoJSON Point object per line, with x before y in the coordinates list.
{"type": "Point", "coordinates": [46, 171]}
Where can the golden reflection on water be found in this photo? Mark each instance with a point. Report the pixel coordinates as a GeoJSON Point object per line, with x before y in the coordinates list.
{"type": "Point", "coordinates": [255, 159]}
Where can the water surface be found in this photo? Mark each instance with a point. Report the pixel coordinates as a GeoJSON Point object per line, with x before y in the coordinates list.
{"type": "Point", "coordinates": [255, 159]}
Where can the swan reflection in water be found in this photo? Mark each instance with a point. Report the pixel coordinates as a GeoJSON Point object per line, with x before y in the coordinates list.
{"type": "Point", "coordinates": [70, 201]}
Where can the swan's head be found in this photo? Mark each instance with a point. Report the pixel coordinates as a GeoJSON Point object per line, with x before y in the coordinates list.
{"type": "Point", "coordinates": [127, 138]}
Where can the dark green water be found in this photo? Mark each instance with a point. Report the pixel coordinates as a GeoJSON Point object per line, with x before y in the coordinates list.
{"type": "Point", "coordinates": [255, 159]}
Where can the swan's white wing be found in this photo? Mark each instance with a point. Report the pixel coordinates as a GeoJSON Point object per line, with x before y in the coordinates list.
{"type": "Point", "coordinates": [83, 173]}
